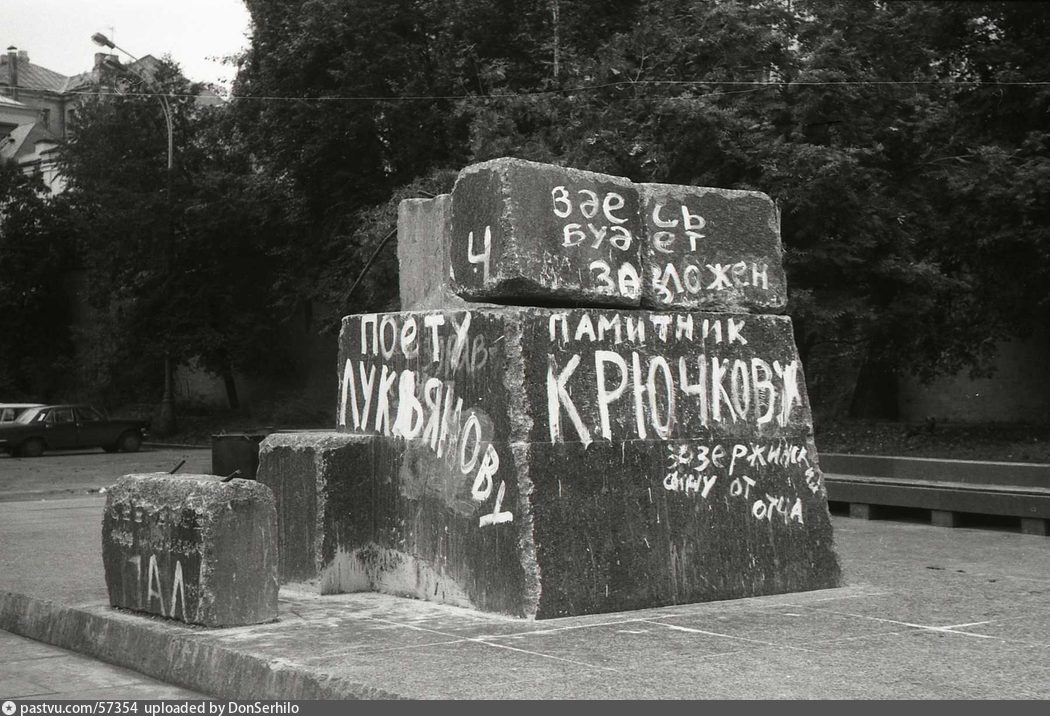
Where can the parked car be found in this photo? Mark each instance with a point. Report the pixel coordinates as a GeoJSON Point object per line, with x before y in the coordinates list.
{"type": "Point", "coordinates": [10, 411]}
{"type": "Point", "coordinates": [69, 427]}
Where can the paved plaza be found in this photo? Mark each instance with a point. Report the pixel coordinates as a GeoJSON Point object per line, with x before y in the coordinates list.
{"type": "Point", "coordinates": [923, 613]}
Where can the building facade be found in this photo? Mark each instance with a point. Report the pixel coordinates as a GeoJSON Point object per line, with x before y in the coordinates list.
{"type": "Point", "coordinates": [37, 110]}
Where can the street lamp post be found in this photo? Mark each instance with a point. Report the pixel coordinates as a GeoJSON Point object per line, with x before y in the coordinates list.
{"type": "Point", "coordinates": [166, 420]}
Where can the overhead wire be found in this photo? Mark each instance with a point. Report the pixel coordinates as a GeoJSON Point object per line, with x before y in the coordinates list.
{"type": "Point", "coordinates": [755, 85]}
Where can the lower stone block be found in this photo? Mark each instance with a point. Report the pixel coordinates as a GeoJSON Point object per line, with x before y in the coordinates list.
{"type": "Point", "coordinates": [192, 548]}
{"type": "Point", "coordinates": [651, 523]}
{"type": "Point", "coordinates": [322, 485]}
{"type": "Point", "coordinates": [566, 528]}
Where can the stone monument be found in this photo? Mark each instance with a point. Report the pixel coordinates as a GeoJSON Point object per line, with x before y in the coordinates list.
{"type": "Point", "coordinates": [622, 424]}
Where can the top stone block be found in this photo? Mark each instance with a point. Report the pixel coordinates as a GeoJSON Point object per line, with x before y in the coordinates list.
{"type": "Point", "coordinates": [711, 249]}
{"type": "Point", "coordinates": [523, 231]}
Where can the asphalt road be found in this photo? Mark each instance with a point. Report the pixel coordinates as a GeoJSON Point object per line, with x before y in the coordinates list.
{"type": "Point", "coordinates": [76, 473]}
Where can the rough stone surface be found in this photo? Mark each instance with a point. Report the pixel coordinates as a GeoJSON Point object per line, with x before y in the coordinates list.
{"type": "Point", "coordinates": [423, 227]}
{"type": "Point", "coordinates": [523, 232]}
{"type": "Point", "coordinates": [711, 249]}
{"type": "Point", "coordinates": [320, 496]}
{"type": "Point", "coordinates": [191, 548]}
{"type": "Point", "coordinates": [545, 462]}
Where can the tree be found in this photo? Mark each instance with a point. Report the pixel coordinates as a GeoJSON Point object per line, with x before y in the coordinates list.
{"type": "Point", "coordinates": [913, 200]}
{"type": "Point", "coordinates": [190, 275]}
{"type": "Point", "coordinates": [34, 317]}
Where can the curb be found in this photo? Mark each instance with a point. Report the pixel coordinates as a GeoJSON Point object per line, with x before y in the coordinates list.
{"type": "Point", "coordinates": [173, 653]}
{"type": "Point", "coordinates": [176, 446]}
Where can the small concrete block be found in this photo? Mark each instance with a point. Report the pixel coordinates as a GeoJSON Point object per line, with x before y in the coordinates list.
{"type": "Point", "coordinates": [523, 231]}
{"type": "Point", "coordinates": [711, 249]}
{"type": "Point", "coordinates": [1035, 526]}
{"type": "Point", "coordinates": [860, 511]}
{"type": "Point", "coordinates": [944, 518]}
{"type": "Point", "coordinates": [424, 269]}
{"type": "Point", "coordinates": [192, 548]}
{"type": "Point", "coordinates": [322, 487]}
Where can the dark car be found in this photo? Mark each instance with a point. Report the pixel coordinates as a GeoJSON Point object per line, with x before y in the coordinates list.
{"type": "Point", "coordinates": [69, 427]}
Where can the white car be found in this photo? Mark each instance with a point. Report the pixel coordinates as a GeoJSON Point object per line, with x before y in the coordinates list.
{"type": "Point", "coordinates": [10, 411]}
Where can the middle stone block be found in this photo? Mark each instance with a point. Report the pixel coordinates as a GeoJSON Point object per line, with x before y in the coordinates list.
{"type": "Point", "coordinates": [545, 462]}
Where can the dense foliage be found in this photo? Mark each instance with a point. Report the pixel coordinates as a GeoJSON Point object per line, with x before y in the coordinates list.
{"type": "Point", "coordinates": [906, 144]}
{"type": "Point", "coordinates": [34, 300]}
{"type": "Point", "coordinates": [175, 263]}
{"type": "Point", "coordinates": [901, 140]}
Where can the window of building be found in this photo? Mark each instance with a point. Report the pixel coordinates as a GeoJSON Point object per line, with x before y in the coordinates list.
{"type": "Point", "coordinates": [45, 118]}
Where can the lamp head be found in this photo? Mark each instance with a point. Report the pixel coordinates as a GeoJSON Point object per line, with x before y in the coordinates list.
{"type": "Point", "coordinates": [99, 39]}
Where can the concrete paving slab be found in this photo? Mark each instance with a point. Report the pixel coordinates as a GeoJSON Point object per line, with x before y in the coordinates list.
{"type": "Point", "coordinates": [946, 665]}
{"type": "Point", "coordinates": [785, 626]}
{"type": "Point", "coordinates": [897, 630]}
{"type": "Point", "coordinates": [1022, 629]}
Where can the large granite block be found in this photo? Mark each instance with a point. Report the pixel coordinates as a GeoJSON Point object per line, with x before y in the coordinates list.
{"type": "Point", "coordinates": [711, 249]}
{"type": "Point", "coordinates": [550, 375]}
{"type": "Point", "coordinates": [644, 523]}
{"type": "Point", "coordinates": [530, 460]}
{"type": "Point", "coordinates": [192, 548]}
{"type": "Point", "coordinates": [524, 232]}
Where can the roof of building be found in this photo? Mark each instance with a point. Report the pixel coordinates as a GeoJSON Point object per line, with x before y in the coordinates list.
{"type": "Point", "coordinates": [32, 76]}
{"type": "Point", "coordinates": [35, 77]}
{"type": "Point", "coordinates": [8, 102]}
{"type": "Point", "coordinates": [22, 141]}
{"type": "Point", "coordinates": [16, 141]}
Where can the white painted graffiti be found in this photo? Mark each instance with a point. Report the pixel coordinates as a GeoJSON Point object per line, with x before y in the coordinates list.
{"type": "Point", "coordinates": [415, 337]}
{"type": "Point", "coordinates": [634, 328]}
{"type": "Point", "coordinates": [695, 469]}
{"type": "Point", "coordinates": [484, 257]}
{"type": "Point", "coordinates": [154, 591]}
{"type": "Point", "coordinates": [627, 281]}
{"type": "Point", "coordinates": [598, 221]}
{"type": "Point", "coordinates": [589, 205]}
{"type": "Point", "coordinates": [670, 282]}
{"type": "Point", "coordinates": [690, 223]}
{"type": "Point", "coordinates": [422, 406]}
{"type": "Point", "coordinates": [659, 396]}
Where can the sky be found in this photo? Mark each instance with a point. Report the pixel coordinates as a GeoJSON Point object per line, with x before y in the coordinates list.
{"type": "Point", "coordinates": [195, 33]}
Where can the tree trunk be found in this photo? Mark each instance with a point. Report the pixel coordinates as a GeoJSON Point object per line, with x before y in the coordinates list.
{"type": "Point", "coordinates": [875, 396]}
{"type": "Point", "coordinates": [231, 388]}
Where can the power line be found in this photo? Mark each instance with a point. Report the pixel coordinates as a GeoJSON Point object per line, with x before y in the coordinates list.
{"type": "Point", "coordinates": [754, 85]}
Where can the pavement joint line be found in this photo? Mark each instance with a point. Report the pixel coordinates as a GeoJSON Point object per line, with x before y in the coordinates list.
{"type": "Point", "coordinates": [760, 603]}
{"type": "Point", "coordinates": [675, 627]}
{"type": "Point", "coordinates": [857, 637]}
{"type": "Point", "coordinates": [478, 640]}
{"type": "Point", "coordinates": [946, 630]}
